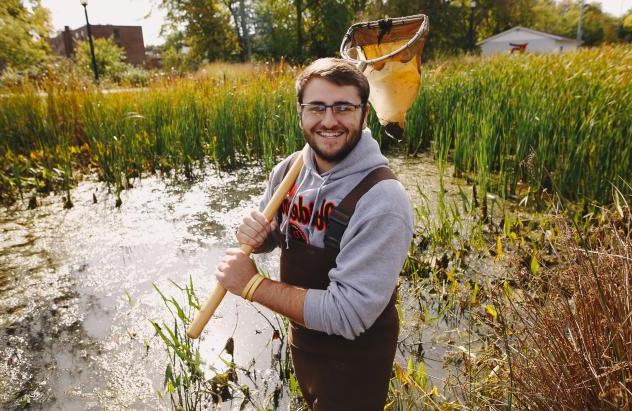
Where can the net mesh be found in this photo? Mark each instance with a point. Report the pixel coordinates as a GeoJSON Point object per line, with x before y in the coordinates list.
{"type": "Point", "coordinates": [389, 53]}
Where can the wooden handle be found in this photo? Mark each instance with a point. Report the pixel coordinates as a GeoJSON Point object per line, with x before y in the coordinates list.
{"type": "Point", "coordinates": [215, 298]}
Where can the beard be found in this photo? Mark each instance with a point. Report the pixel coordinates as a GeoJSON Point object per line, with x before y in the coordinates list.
{"type": "Point", "coordinates": [351, 140]}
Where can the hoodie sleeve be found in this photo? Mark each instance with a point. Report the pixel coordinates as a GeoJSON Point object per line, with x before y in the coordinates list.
{"type": "Point", "coordinates": [373, 250]}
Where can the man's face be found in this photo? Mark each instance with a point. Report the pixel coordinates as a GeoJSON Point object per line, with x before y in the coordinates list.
{"type": "Point", "coordinates": [331, 135]}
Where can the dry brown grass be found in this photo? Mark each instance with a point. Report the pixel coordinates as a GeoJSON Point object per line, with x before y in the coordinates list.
{"type": "Point", "coordinates": [575, 348]}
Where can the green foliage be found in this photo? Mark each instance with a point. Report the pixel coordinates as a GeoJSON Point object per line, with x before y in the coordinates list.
{"type": "Point", "coordinates": [276, 25]}
{"type": "Point", "coordinates": [493, 118]}
{"type": "Point", "coordinates": [496, 118]}
{"type": "Point", "coordinates": [207, 31]}
{"type": "Point", "coordinates": [171, 126]}
{"type": "Point", "coordinates": [109, 57]}
{"type": "Point", "coordinates": [23, 33]}
{"type": "Point", "coordinates": [625, 28]}
{"type": "Point", "coordinates": [562, 17]}
{"type": "Point", "coordinates": [328, 22]}
{"type": "Point", "coordinates": [185, 378]}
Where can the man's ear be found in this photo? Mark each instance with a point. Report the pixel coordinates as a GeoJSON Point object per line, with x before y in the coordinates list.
{"type": "Point", "coordinates": [366, 109]}
{"type": "Point", "coordinates": [298, 111]}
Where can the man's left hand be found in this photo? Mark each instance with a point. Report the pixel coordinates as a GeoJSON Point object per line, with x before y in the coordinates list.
{"type": "Point", "coordinates": [235, 270]}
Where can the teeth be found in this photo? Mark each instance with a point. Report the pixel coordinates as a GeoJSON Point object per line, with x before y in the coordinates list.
{"type": "Point", "coordinates": [329, 134]}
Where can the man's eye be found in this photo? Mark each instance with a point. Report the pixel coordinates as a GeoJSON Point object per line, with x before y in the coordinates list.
{"type": "Point", "coordinates": [344, 108]}
{"type": "Point", "coordinates": [317, 108]}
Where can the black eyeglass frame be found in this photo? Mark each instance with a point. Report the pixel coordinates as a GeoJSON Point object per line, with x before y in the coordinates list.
{"type": "Point", "coordinates": [356, 106]}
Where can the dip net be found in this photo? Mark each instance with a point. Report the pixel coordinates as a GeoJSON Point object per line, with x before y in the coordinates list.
{"type": "Point", "coordinates": [388, 51]}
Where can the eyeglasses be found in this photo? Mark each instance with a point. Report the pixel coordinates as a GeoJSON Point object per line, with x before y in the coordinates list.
{"type": "Point", "coordinates": [339, 109]}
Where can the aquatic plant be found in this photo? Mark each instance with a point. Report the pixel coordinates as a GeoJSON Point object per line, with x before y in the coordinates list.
{"type": "Point", "coordinates": [193, 385]}
{"type": "Point", "coordinates": [519, 125]}
{"type": "Point", "coordinates": [574, 335]}
{"type": "Point", "coordinates": [185, 380]}
{"type": "Point", "coordinates": [549, 122]}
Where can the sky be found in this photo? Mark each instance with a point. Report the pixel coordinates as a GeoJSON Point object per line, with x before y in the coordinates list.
{"type": "Point", "coordinates": [147, 14]}
{"type": "Point", "coordinates": [143, 13]}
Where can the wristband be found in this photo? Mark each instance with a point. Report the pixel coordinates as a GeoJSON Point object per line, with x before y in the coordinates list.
{"type": "Point", "coordinates": [254, 287]}
{"type": "Point", "coordinates": [252, 280]}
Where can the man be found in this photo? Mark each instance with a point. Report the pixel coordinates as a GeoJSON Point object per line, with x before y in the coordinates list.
{"type": "Point", "coordinates": [344, 229]}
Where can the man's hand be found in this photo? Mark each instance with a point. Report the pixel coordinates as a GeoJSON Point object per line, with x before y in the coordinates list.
{"type": "Point", "coordinates": [235, 270]}
{"type": "Point", "coordinates": [254, 229]}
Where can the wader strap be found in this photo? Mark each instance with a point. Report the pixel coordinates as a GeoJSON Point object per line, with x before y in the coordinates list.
{"type": "Point", "coordinates": [339, 217]}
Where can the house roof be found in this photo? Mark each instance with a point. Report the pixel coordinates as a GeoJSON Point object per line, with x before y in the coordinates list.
{"type": "Point", "coordinates": [520, 28]}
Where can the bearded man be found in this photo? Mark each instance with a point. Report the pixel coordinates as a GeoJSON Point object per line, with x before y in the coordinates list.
{"type": "Point", "coordinates": [344, 230]}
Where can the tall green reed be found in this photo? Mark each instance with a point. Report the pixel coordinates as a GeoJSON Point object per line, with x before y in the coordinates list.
{"type": "Point", "coordinates": [539, 120]}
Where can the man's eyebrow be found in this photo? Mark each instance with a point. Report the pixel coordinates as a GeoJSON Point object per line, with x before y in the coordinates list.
{"type": "Point", "coordinates": [335, 102]}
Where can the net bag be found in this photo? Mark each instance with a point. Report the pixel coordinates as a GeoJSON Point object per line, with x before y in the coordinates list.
{"type": "Point", "coordinates": [388, 51]}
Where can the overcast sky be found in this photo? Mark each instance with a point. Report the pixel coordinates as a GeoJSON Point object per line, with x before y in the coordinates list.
{"type": "Point", "coordinates": [146, 13]}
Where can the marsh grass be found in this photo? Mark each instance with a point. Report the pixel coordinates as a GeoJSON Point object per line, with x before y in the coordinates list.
{"type": "Point", "coordinates": [544, 323]}
{"type": "Point", "coordinates": [174, 126]}
{"type": "Point", "coordinates": [185, 380]}
{"type": "Point", "coordinates": [192, 384]}
{"type": "Point", "coordinates": [532, 120]}
{"type": "Point", "coordinates": [576, 333]}
{"type": "Point", "coordinates": [516, 125]}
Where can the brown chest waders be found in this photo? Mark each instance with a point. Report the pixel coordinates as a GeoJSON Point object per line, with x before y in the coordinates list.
{"type": "Point", "coordinates": [335, 373]}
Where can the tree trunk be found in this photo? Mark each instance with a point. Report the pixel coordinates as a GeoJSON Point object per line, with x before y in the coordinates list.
{"type": "Point", "coordinates": [245, 32]}
{"type": "Point", "coordinates": [299, 29]}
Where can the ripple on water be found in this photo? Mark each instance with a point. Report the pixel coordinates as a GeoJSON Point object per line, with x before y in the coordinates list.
{"type": "Point", "coordinates": [77, 286]}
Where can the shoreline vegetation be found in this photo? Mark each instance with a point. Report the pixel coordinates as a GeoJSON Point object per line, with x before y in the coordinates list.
{"type": "Point", "coordinates": [519, 125]}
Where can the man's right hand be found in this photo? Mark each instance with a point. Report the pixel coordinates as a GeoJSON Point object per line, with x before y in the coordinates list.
{"type": "Point", "coordinates": [254, 229]}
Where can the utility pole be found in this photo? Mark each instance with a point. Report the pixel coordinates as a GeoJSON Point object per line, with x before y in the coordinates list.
{"type": "Point", "coordinates": [579, 23]}
{"type": "Point", "coordinates": [471, 40]}
{"type": "Point", "coordinates": [299, 29]}
{"type": "Point", "coordinates": [84, 3]}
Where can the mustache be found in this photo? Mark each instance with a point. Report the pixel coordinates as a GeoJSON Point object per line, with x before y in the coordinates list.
{"type": "Point", "coordinates": [331, 129]}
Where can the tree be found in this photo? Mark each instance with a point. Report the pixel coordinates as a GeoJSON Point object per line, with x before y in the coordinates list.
{"type": "Point", "coordinates": [625, 27]}
{"type": "Point", "coordinates": [109, 57]}
{"type": "Point", "coordinates": [325, 25]}
{"type": "Point", "coordinates": [23, 33]}
{"type": "Point", "coordinates": [241, 11]}
{"type": "Point", "coordinates": [276, 30]}
{"type": "Point", "coordinates": [206, 27]}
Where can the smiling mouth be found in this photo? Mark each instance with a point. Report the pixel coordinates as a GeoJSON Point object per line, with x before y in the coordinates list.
{"type": "Point", "coordinates": [330, 134]}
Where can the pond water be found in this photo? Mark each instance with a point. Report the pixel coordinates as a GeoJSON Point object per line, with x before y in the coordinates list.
{"type": "Point", "coordinates": [77, 289]}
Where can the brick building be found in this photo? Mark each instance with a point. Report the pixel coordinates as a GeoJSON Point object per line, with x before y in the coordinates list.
{"type": "Point", "coordinates": [130, 38]}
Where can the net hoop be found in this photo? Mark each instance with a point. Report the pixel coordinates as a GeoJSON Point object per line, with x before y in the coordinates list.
{"type": "Point", "coordinates": [419, 35]}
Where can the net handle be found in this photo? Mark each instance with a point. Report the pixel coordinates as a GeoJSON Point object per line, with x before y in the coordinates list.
{"type": "Point", "coordinates": [423, 29]}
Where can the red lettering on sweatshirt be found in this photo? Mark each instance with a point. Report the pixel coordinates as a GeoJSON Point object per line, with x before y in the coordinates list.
{"type": "Point", "coordinates": [302, 212]}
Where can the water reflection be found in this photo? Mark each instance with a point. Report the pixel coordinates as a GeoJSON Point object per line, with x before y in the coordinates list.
{"type": "Point", "coordinates": [77, 288]}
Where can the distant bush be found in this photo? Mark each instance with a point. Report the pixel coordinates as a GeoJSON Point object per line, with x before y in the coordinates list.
{"type": "Point", "coordinates": [108, 55]}
{"type": "Point", "coordinates": [134, 77]}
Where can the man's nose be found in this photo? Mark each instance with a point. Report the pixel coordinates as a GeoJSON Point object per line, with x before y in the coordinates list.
{"type": "Point", "coordinates": [329, 120]}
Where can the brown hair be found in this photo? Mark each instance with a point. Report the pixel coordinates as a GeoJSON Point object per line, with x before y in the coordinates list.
{"type": "Point", "coordinates": [338, 71]}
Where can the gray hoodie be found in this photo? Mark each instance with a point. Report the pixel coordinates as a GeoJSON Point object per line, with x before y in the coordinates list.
{"type": "Point", "coordinates": [372, 249]}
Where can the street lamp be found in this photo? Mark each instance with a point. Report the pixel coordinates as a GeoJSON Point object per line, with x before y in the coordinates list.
{"type": "Point", "coordinates": [84, 3]}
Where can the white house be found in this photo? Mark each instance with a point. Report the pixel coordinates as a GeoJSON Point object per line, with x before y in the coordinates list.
{"type": "Point", "coordinates": [521, 39]}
